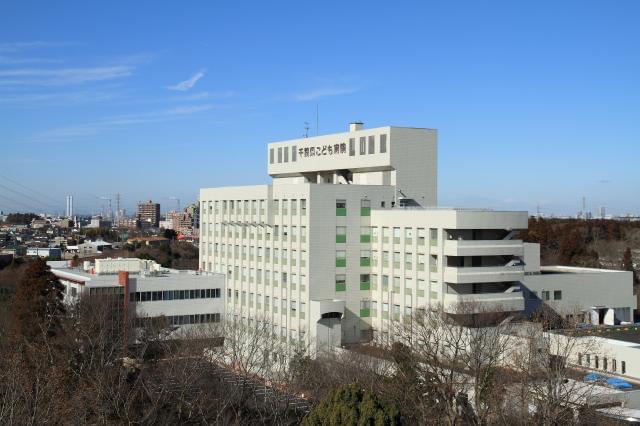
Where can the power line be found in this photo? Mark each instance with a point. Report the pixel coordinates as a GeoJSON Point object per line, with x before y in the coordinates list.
{"type": "Point", "coordinates": [19, 202]}
{"type": "Point", "coordinates": [29, 189]}
{"type": "Point", "coordinates": [21, 194]}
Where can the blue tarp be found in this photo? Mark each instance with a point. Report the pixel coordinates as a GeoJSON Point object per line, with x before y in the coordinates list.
{"type": "Point", "coordinates": [618, 383]}
{"type": "Point", "coordinates": [593, 377]}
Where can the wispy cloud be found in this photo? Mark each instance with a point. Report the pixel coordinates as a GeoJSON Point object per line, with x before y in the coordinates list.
{"type": "Point", "coordinates": [59, 98]}
{"type": "Point", "coordinates": [63, 76]}
{"type": "Point", "coordinates": [324, 92]}
{"type": "Point", "coordinates": [6, 60]}
{"type": "Point", "coordinates": [18, 46]}
{"type": "Point", "coordinates": [188, 84]}
{"type": "Point", "coordinates": [206, 95]}
{"type": "Point", "coordinates": [84, 131]}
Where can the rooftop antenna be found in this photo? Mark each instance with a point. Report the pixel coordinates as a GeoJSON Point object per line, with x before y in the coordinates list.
{"type": "Point", "coordinates": [306, 129]}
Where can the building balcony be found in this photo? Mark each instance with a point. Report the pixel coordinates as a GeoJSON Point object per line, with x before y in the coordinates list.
{"type": "Point", "coordinates": [483, 274]}
{"type": "Point", "coordinates": [483, 248]}
{"type": "Point", "coordinates": [483, 302]}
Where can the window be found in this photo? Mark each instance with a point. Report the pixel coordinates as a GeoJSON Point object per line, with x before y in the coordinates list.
{"type": "Point", "coordinates": [341, 258]}
{"type": "Point", "coordinates": [545, 296]}
{"type": "Point", "coordinates": [408, 260]}
{"type": "Point", "coordinates": [352, 147]}
{"type": "Point", "coordinates": [365, 207]}
{"type": "Point", "coordinates": [385, 283]}
{"type": "Point", "coordinates": [341, 282]}
{"type": "Point", "coordinates": [294, 153]}
{"type": "Point", "coordinates": [623, 366]}
{"type": "Point", "coordinates": [396, 312]}
{"type": "Point", "coordinates": [341, 207]}
{"type": "Point", "coordinates": [365, 308]}
{"type": "Point", "coordinates": [303, 207]}
{"type": "Point", "coordinates": [557, 295]}
{"type": "Point", "coordinates": [270, 155]}
{"type": "Point", "coordinates": [383, 144]}
{"type": "Point", "coordinates": [279, 155]}
{"type": "Point", "coordinates": [363, 145]}
{"type": "Point", "coordinates": [385, 310]}
{"type": "Point", "coordinates": [365, 281]}
{"type": "Point", "coordinates": [396, 235]}
{"type": "Point", "coordinates": [433, 237]}
{"type": "Point", "coordinates": [396, 285]}
{"type": "Point", "coordinates": [365, 234]}
{"type": "Point", "coordinates": [365, 258]}
{"type": "Point", "coordinates": [408, 235]}
{"type": "Point", "coordinates": [341, 234]}
{"type": "Point", "coordinates": [372, 146]}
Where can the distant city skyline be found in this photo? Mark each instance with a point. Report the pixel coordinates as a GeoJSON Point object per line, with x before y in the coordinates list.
{"type": "Point", "coordinates": [535, 104]}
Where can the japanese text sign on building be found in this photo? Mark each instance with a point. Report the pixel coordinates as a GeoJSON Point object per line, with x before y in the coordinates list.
{"type": "Point", "coordinates": [317, 151]}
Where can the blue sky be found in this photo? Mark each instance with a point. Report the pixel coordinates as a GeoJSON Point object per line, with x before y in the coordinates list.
{"type": "Point", "coordinates": [535, 102]}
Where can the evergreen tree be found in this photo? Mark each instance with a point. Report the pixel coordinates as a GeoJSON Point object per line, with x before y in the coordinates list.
{"type": "Point", "coordinates": [38, 307]}
{"type": "Point", "coordinates": [352, 406]}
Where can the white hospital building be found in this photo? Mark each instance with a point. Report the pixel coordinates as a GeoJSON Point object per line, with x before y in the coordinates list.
{"type": "Point", "coordinates": [348, 238]}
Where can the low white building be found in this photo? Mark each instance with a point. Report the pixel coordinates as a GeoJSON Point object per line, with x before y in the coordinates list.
{"type": "Point", "coordinates": [183, 297]}
{"type": "Point", "coordinates": [600, 296]}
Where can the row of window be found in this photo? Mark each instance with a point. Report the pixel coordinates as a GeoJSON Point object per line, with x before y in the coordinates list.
{"type": "Point", "coordinates": [277, 331]}
{"type": "Point", "coordinates": [257, 275]}
{"type": "Point", "coordinates": [240, 297]}
{"type": "Point", "coordinates": [367, 145]}
{"type": "Point", "coordinates": [193, 319]}
{"type": "Point", "coordinates": [267, 233]}
{"type": "Point", "coordinates": [369, 308]}
{"type": "Point", "coordinates": [157, 296]}
{"type": "Point", "coordinates": [255, 252]}
{"type": "Point", "coordinates": [366, 257]}
{"type": "Point", "coordinates": [246, 207]}
{"type": "Point", "coordinates": [365, 207]}
{"type": "Point", "coordinates": [610, 365]}
{"type": "Point", "coordinates": [393, 284]}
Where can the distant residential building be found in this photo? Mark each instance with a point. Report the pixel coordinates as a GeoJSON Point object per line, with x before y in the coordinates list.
{"type": "Point", "coordinates": [128, 222]}
{"type": "Point", "coordinates": [193, 210]}
{"type": "Point", "coordinates": [89, 248]}
{"type": "Point", "coordinates": [15, 251]}
{"type": "Point", "coordinates": [51, 252]}
{"type": "Point", "coordinates": [99, 222]}
{"type": "Point", "coordinates": [167, 224]}
{"type": "Point", "coordinates": [180, 221]}
{"type": "Point", "coordinates": [149, 214]}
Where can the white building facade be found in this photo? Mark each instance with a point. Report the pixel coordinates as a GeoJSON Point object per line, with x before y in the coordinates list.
{"type": "Point", "coordinates": [347, 239]}
{"type": "Point", "coordinates": [183, 297]}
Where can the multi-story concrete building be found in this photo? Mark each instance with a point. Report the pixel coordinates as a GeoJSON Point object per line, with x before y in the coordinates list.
{"type": "Point", "coordinates": [348, 238]}
{"type": "Point", "coordinates": [149, 214]}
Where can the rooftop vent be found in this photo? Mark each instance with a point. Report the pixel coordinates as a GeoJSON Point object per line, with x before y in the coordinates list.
{"type": "Point", "coordinates": [355, 126]}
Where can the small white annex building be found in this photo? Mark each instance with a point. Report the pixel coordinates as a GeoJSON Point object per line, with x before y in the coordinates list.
{"type": "Point", "coordinates": [183, 297]}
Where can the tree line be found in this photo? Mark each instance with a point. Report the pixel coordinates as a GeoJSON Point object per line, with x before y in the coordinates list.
{"type": "Point", "coordinates": [76, 363]}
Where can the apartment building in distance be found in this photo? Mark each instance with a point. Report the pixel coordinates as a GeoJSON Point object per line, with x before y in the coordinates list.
{"type": "Point", "coordinates": [148, 214]}
{"type": "Point", "coordinates": [348, 239]}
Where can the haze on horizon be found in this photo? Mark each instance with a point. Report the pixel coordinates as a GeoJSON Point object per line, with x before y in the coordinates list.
{"type": "Point", "coordinates": [535, 103]}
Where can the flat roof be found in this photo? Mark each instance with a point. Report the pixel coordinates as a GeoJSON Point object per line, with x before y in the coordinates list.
{"type": "Point", "coordinates": [561, 269]}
